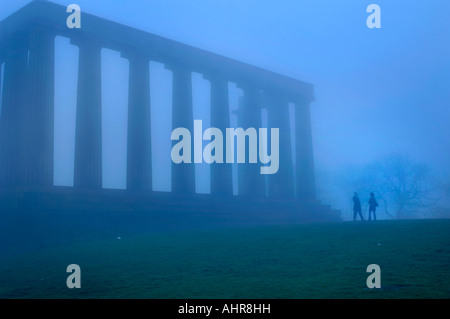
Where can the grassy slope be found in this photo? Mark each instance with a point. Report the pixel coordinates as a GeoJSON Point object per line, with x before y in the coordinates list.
{"type": "Point", "coordinates": [298, 261]}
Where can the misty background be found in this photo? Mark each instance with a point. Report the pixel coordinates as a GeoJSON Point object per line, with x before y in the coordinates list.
{"type": "Point", "coordinates": [380, 119]}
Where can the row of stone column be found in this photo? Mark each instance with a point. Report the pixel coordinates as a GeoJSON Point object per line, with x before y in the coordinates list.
{"type": "Point", "coordinates": [26, 126]}
{"type": "Point", "coordinates": [285, 183]}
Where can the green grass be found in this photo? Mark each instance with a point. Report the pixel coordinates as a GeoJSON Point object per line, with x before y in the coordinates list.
{"type": "Point", "coordinates": [297, 261]}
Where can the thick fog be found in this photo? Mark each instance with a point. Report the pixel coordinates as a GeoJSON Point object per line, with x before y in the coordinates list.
{"type": "Point", "coordinates": [378, 91]}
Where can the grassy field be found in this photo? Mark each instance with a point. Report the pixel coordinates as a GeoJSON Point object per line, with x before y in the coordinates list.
{"type": "Point", "coordinates": [297, 261]}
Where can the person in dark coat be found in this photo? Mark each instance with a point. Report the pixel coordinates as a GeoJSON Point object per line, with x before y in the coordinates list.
{"type": "Point", "coordinates": [356, 207]}
{"type": "Point", "coordinates": [372, 206]}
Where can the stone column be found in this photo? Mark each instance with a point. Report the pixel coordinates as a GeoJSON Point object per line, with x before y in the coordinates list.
{"type": "Point", "coordinates": [139, 163]}
{"type": "Point", "coordinates": [2, 131]}
{"type": "Point", "coordinates": [305, 178]}
{"type": "Point", "coordinates": [88, 132]}
{"type": "Point", "coordinates": [281, 184]}
{"type": "Point", "coordinates": [251, 182]}
{"type": "Point", "coordinates": [41, 107]}
{"type": "Point", "coordinates": [221, 173]}
{"type": "Point", "coordinates": [1, 82]}
{"type": "Point", "coordinates": [13, 137]}
{"type": "Point", "coordinates": [183, 174]}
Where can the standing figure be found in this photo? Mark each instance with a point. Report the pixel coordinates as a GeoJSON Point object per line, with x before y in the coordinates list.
{"type": "Point", "coordinates": [372, 206]}
{"type": "Point", "coordinates": [356, 207]}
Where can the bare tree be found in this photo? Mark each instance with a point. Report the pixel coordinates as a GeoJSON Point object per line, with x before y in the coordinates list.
{"type": "Point", "coordinates": [408, 185]}
{"type": "Point", "coordinates": [442, 209]}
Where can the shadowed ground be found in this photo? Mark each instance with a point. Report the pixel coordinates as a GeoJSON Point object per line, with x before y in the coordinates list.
{"type": "Point", "coordinates": [297, 261]}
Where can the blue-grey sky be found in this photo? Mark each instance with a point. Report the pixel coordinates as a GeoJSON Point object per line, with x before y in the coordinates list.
{"type": "Point", "coordinates": [377, 91]}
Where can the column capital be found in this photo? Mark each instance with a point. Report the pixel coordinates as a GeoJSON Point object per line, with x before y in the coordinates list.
{"type": "Point", "coordinates": [248, 86]}
{"type": "Point", "coordinates": [214, 76]}
{"type": "Point", "coordinates": [131, 54]}
{"type": "Point", "coordinates": [83, 42]}
{"type": "Point", "coordinates": [301, 99]}
{"type": "Point", "coordinates": [178, 66]}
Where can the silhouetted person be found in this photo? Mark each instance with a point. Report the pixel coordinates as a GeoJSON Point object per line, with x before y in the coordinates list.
{"type": "Point", "coordinates": [372, 206]}
{"type": "Point", "coordinates": [356, 207]}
